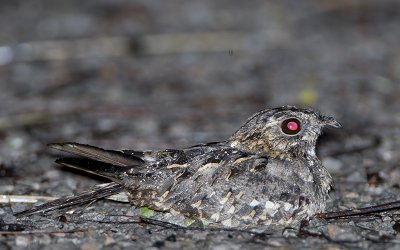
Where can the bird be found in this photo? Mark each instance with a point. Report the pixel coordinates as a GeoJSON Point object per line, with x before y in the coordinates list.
{"type": "Point", "coordinates": [266, 174]}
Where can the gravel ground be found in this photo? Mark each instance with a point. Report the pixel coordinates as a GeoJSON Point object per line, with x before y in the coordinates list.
{"type": "Point", "coordinates": [168, 74]}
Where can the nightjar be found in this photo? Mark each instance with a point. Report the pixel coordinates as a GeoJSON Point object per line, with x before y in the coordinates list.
{"type": "Point", "coordinates": [265, 174]}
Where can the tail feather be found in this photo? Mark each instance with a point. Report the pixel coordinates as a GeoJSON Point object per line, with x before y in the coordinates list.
{"type": "Point", "coordinates": [95, 193]}
{"type": "Point", "coordinates": [107, 163]}
{"type": "Point", "coordinates": [113, 157]}
{"type": "Point", "coordinates": [95, 167]}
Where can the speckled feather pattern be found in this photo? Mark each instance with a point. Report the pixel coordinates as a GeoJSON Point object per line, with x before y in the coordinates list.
{"type": "Point", "coordinates": [258, 177]}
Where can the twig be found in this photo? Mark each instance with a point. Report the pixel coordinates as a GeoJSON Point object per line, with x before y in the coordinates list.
{"type": "Point", "coordinates": [4, 198]}
{"type": "Point", "coordinates": [42, 232]}
{"type": "Point", "coordinates": [360, 211]}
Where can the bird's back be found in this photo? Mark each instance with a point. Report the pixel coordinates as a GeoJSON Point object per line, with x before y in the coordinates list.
{"type": "Point", "coordinates": [220, 184]}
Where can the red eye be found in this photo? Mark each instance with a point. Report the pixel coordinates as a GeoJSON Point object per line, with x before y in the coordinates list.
{"type": "Point", "coordinates": [291, 126]}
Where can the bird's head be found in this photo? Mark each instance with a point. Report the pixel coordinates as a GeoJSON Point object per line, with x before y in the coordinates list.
{"type": "Point", "coordinates": [282, 131]}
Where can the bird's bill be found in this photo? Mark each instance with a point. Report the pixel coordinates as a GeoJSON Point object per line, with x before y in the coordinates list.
{"type": "Point", "coordinates": [330, 121]}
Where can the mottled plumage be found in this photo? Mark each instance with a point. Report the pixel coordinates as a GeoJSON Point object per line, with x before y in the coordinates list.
{"type": "Point", "coordinates": [266, 173]}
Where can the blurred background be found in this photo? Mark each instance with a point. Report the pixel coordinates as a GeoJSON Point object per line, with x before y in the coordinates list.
{"type": "Point", "coordinates": [152, 74]}
{"type": "Point", "coordinates": [164, 74]}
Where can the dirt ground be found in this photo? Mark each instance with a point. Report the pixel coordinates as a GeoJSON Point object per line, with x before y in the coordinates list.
{"type": "Point", "coordinates": [169, 74]}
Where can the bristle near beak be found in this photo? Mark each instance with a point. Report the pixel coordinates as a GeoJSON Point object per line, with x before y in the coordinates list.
{"type": "Point", "coordinates": [330, 121]}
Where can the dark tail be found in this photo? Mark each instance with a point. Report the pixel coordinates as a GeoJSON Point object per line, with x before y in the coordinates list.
{"type": "Point", "coordinates": [113, 157]}
{"type": "Point", "coordinates": [95, 193]}
{"type": "Point", "coordinates": [106, 163]}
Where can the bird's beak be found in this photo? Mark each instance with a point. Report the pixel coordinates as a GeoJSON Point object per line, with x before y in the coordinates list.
{"type": "Point", "coordinates": [330, 121]}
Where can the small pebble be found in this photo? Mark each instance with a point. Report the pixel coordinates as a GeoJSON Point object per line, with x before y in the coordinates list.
{"type": "Point", "coordinates": [52, 174]}
{"type": "Point", "coordinates": [275, 243]}
{"type": "Point", "coordinates": [109, 240]}
{"type": "Point", "coordinates": [17, 207]}
{"type": "Point", "coordinates": [337, 233]}
{"type": "Point", "coordinates": [45, 239]}
{"type": "Point", "coordinates": [91, 245]}
{"type": "Point", "coordinates": [22, 241]}
{"type": "Point", "coordinates": [16, 142]}
{"type": "Point", "coordinates": [355, 177]}
{"type": "Point", "coordinates": [9, 219]}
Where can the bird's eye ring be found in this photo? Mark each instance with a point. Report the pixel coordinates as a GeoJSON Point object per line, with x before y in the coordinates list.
{"type": "Point", "coordinates": [291, 126]}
